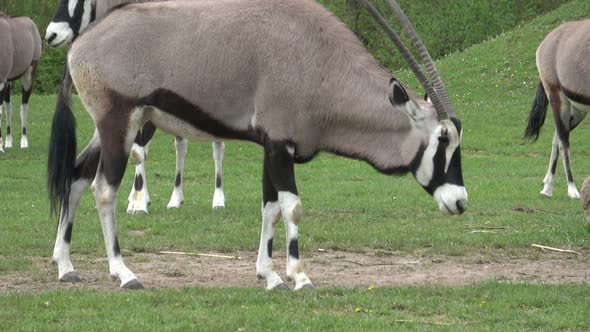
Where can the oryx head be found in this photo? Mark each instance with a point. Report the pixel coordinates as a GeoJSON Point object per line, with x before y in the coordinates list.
{"type": "Point", "coordinates": [70, 19]}
{"type": "Point", "coordinates": [438, 170]}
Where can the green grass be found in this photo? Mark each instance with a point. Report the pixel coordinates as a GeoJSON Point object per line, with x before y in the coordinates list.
{"type": "Point", "coordinates": [485, 307]}
{"type": "Point", "coordinates": [347, 206]}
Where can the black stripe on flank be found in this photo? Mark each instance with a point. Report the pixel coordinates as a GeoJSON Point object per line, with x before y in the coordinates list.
{"type": "Point", "coordinates": [578, 98]}
{"type": "Point", "coordinates": [269, 248]}
{"type": "Point", "coordinates": [178, 180]}
{"type": "Point", "coordinates": [181, 108]}
{"type": "Point", "coordinates": [68, 234]}
{"type": "Point", "coordinates": [138, 185]}
{"type": "Point", "coordinates": [294, 248]}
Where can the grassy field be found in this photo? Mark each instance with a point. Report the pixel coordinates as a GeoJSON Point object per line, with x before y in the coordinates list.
{"type": "Point", "coordinates": [348, 206]}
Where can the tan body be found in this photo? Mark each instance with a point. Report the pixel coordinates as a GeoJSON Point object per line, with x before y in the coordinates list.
{"type": "Point", "coordinates": [563, 61]}
{"type": "Point", "coordinates": [20, 52]}
{"type": "Point", "coordinates": [290, 96]}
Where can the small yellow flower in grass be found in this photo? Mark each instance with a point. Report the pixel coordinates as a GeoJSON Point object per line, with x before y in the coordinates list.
{"type": "Point", "coordinates": [357, 309]}
{"type": "Point", "coordinates": [483, 304]}
{"type": "Point", "coordinates": [372, 287]}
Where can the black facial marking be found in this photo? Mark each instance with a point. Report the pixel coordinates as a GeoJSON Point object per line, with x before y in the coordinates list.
{"type": "Point", "coordinates": [269, 248]}
{"type": "Point", "coordinates": [138, 185]}
{"type": "Point", "coordinates": [178, 180]}
{"type": "Point", "coordinates": [68, 234]}
{"type": "Point", "coordinates": [294, 248]}
{"type": "Point", "coordinates": [218, 182]}
{"type": "Point", "coordinates": [62, 14]}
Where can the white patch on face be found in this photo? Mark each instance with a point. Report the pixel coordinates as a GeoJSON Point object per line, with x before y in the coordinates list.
{"type": "Point", "coordinates": [426, 168]}
{"type": "Point", "coordinates": [72, 7]}
{"type": "Point", "coordinates": [64, 34]}
{"type": "Point", "coordinates": [86, 15]}
{"type": "Point", "coordinates": [448, 196]}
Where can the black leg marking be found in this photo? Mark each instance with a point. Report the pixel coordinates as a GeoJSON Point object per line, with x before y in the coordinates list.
{"type": "Point", "coordinates": [138, 185]}
{"type": "Point", "coordinates": [294, 248]}
{"type": "Point", "coordinates": [554, 164]}
{"type": "Point", "coordinates": [147, 133]}
{"type": "Point", "coordinates": [26, 95]}
{"type": "Point", "coordinates": [281, 167]}
{"type": "Point", "coordinates": [178, 180]}
{"type": "Point", "coordinates": [24, 131]}
{"type": "Point", "coordinates": [6, 96]}
{"type": "Point", "coordinates": [269, 193]}
{"type": "Point", "coordinates": [218, 182]}
{"type": "Point", "coordinates": [68, 234]}
{"type": "Point", "coordinates": [8, 130]}
{"type": "Point", "coordinates": [269, 248]}
{"type": "Point", "coordinates": [116, 248]}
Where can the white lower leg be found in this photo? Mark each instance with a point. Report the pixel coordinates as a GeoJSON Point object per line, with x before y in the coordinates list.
{"type": "Point", "coordinates": [177, 197]}
{"type": "Point", "coordinates": [61, 249]}
{"type": "Point", "coordinates": [106, 197]}
{"type": "Point", "coordinates": [292, 212]}
{"type": "Point", "coordinates": [139, 197]}
{"type": "Point", "coordinates": [270, 216]}
{"type": "Point", "coordinates": [1, 141]}
{"type": "Point", "coordinates": [549, 177]}
{"type": "Point", "coordinates": [24, 142]}
{"type": "Point", "coordinates": [218, 196]}
{"type": "Point", "coordinates": [8, 107]}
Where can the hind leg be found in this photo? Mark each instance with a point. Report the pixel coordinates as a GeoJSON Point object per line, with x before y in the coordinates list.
{"type": "Point", "coordinates": [139, 198]}
{"type": "Point", "coordinates": [2, 88]}
{"type": "Point", "coordinates": [117, 131]}
{"type": "Point", "coordinates": [86, 165]}
{"type": "Point", "coordinates": [575, 117]}
{"type": "Point", "coordinates": [177, 197]}
{"type": "Point", "coordinates": [8, 108]}
{"type": "Point", "coordinates": [550, 176]}
{"type": "Point", "coordinates": [27, 82]}
{"type": "Point", "coordinates": [218, 196]}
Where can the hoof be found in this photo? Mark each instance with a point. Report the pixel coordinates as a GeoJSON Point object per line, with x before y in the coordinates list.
{"type": "Point", "coordinates": [546, 194]}
{"type": "Point", "coordinates": [307, 287]}
{"type": "Point", "coordinates": [70, 277]}
{"type": "Point", "coordinates": [133, 284]}
{"type": "Point", "coordinates": [218, 207]}
{"type": "Point", "coordinates": [281, 287]}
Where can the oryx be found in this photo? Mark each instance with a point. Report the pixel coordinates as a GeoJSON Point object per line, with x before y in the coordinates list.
{"type": "Point", "coordinates": [286, 75]}
{"type": "Point", "coordinates": [20, 51]}
{"type": "Point", "coordinates": [71, 18]}
{"type": "Point", "coordinates": [563, 60]}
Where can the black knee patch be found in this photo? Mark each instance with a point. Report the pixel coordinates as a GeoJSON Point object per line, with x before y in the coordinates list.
{"type": "Point", "coordinates": [68, 234]}
{"type": "Point", "coordinates": [8, 130]}
{"type": "Point", "coordinates": [138, 185]}
{"type": "Point", "coordinates": [178, 180]}
{"type": "Point", "coordinates": [218, 182]}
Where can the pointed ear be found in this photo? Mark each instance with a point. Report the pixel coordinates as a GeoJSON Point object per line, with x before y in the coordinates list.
{"type": "Point", "coordinates": [397, 93]}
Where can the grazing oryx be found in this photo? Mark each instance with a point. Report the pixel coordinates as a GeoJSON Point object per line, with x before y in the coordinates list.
{"type": "Point", "coordinates": [71, 18]}
{"type": "Point", "coordinates": [563, 60]}
{"type": "Point", "coordinates": [20, 51]}
{"type": "Point", "coordinates": [286, 75]}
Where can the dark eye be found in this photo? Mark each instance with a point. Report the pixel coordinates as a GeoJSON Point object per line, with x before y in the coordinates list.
{"type": "Point", "coordinates": [443, 139]}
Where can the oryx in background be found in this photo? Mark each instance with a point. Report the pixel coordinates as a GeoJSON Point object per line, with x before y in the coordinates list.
{"type": "Point", "coordinates": [563, 60]}
{"type": "Point", "coordinates": [20, 51]}
{"type": "Point", "coordinates": [286, 75]}
{"type": "Point", "coordinates": [71, 18]}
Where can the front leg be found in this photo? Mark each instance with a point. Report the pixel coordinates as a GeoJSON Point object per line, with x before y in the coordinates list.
{"type": "Point", "coordinates": [218, 196]}
{"type": "Point", "coordinates": [139, 197]}
{"type": "Point", "coordinates": [177, 197]}
{"type": "Point", "coordinates": [8, 109]}
{"type": "Point", "coordinates": [282, 175]}
{"type": "Point", "coordinates": [271, 212]}
{"type": "Point", "coordinates": [116, 139]}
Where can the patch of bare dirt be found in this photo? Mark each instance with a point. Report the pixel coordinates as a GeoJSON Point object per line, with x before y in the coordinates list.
{"type": "Point", "coordinates": [326, 269]}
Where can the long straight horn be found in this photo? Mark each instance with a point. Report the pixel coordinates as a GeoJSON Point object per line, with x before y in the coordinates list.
{"type": "Point", "coordinates": [430, 90]}
{"type": "Point", "coordinates": [426, 59]}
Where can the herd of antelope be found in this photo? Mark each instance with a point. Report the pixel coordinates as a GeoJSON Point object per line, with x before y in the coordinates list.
{"type": "Point", "coordinates": [285, 75]}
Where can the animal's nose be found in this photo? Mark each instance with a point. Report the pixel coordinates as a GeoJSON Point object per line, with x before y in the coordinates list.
{"type": "Point", "coordinates": [461, 205]}
{"type": "Point", "coordinates": [50, 38]}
